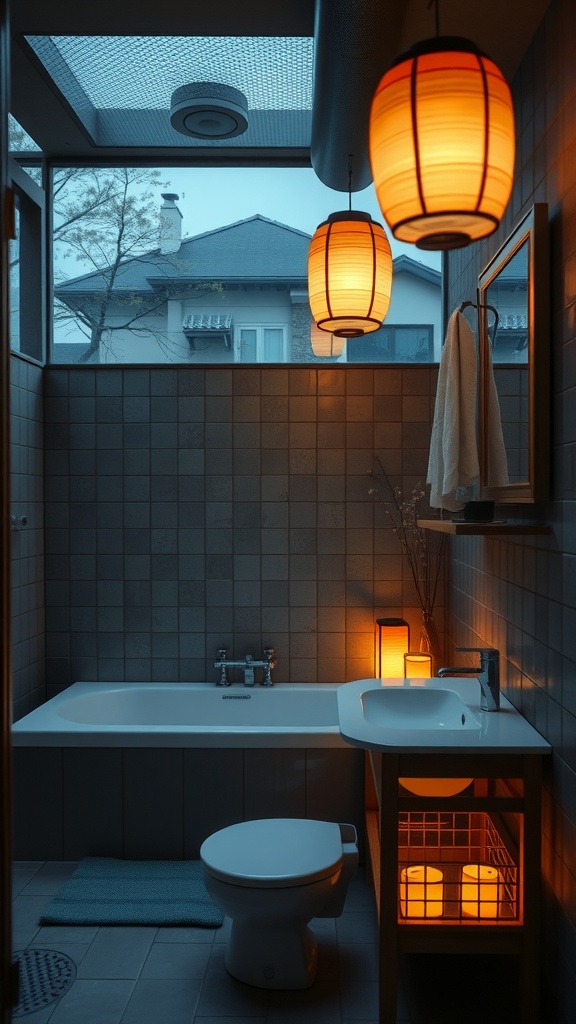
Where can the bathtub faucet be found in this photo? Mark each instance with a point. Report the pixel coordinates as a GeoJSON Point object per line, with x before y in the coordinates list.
{"type": "Point", "coordinates": [488, 673]}
{"type": "Point", "coordinates": [247, 664]}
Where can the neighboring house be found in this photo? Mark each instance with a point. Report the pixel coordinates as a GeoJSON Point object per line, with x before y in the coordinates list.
{"type": "Point", "coordinates": [238, 294]}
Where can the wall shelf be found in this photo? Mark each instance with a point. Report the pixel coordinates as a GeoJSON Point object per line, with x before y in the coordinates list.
{"type": "Point", "coordinates": [462, 529]}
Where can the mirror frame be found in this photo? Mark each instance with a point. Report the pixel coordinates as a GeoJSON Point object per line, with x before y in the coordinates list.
{"type": "Point", "coordinates": [534, 230]}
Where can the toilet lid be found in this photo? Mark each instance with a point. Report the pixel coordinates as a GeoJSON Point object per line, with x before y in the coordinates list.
{"type": "Point", "coordinates": [274, 852]}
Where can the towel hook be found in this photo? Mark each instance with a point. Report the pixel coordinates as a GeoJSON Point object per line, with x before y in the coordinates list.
{"type": "Point", "coordinates": [484, 305]}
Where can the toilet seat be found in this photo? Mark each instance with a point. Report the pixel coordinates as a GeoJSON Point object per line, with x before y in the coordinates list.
{"type": "Point", "coordinates": [274, 852]}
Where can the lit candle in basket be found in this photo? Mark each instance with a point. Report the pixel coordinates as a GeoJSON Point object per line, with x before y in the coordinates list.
{"type": "Point", "coordinates": [421, 891]}
{"type": "Point", "coordinates": [482, 890]}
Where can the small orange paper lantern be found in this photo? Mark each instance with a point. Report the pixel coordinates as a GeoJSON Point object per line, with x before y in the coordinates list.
{"type": "Point", "coordinates": [349, 274]}
{"type": "Point", "coordinates": [391, 642]}
{"type": "Point", "coordinates": [442, 144]}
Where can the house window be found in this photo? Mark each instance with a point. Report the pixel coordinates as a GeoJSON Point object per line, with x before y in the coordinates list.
{"type": "Point", "coordinates": [394, 343]}
{"type": "Point", "coordinates": [260, 344]}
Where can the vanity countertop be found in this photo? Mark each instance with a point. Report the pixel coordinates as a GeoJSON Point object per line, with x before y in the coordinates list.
{"type": "Point", "coordinates": [448, 720]}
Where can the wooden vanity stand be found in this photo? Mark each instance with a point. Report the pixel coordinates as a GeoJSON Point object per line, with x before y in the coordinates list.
{"type": "Point", "coordinates": [505, 794]}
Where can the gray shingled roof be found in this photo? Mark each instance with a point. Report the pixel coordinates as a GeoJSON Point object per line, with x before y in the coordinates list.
{"type": "Point", "coordinates": [256, 249]}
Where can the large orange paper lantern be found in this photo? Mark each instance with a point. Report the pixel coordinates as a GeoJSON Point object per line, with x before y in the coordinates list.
{"type": "Point", "coordinates": [349, 274]}
{"type": "Point", "coordinates": [442, 145]}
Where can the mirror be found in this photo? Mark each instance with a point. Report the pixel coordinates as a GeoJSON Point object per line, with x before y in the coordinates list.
{"type": "Point", "coordinates": [514, 340]}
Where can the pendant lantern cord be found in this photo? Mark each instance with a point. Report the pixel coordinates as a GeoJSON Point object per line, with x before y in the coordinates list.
{"type": "Point", "coordinates": [350, 159]}
{"type": "Point", "coordinates": [436, 5]}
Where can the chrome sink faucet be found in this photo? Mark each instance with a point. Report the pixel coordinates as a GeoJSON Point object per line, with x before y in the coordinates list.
{"type": "Point", "coordinates": [247, 664]}
{"type": "Point", "coordinates": [488, 674]}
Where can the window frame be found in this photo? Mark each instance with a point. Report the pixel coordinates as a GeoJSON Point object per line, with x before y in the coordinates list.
{"type": "Point", "coordinates": [259, 328]}
{"type": "Point", "coordinates": [32, 311]}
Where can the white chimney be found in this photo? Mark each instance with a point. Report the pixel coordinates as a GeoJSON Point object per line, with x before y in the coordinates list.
{"type": "Point", "coordinates": [170, 224]}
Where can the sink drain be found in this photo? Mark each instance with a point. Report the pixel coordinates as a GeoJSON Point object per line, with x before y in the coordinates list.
{"type": "Point", "coordinates": [44, 976]}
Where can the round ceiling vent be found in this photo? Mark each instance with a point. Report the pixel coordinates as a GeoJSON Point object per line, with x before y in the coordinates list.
{"type": "Point", "coordinates": [209, 110]}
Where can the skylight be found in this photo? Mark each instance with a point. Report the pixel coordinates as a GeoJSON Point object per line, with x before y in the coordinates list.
{"type": "Point", "coordinates": [120, 87]}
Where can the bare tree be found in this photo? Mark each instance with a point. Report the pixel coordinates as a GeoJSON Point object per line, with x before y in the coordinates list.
{"type": "Point", "coordinates": [107, 220]}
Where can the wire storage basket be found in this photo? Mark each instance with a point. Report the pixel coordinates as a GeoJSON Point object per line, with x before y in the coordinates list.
{"type": "Point", "coordinates": [456, 866]}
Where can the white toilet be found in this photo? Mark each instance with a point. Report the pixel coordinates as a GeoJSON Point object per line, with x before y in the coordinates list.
{"type": "Point", "coordinates": [271, 877]}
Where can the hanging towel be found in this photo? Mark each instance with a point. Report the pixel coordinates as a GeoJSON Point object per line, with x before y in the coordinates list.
{"type": "Point", "coordinates": [453, 466]}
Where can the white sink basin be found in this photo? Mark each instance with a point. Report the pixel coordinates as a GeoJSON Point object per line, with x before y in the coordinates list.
{"type": "Point", "coordinates": [417, 709]}
{"type": "Point", "coordinates": [431, 716]}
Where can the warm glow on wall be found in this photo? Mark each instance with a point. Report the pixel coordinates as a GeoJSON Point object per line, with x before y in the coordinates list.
{"type": "Point", "coordinates": [349, 274]}
{"type": "Point", "coordinates": [442, 144]}
{"type": "Point", "coordinates": [392, 641]}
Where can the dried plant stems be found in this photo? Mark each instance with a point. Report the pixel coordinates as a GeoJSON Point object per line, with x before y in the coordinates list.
{"type": "Point", "coordinates": [424, 549]}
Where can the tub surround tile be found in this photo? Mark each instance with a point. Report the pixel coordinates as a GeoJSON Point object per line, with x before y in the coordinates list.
{"type": "Point", "coordinates": [207, 772]}
{"type": "Point", "coordinates": [92, 803]}
{"type": "Point", "coordinates": [153, 812]}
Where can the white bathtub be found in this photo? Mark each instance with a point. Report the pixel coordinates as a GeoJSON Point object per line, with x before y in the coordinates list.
{"type": "Point", "coordinates": [184, 715]}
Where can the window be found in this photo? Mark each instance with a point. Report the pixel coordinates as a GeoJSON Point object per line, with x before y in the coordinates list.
{"type": "Point", "coordinates": [260, 344]}
{"type": "Point", "coordinates": [394, 343]}
{"type": "Point", "coordinates": [207, 265]}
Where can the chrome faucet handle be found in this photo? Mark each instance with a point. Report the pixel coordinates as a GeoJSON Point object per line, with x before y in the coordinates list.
{"type": "Point", "coordinates": [486, 653]}
{"type": "Point", "coordinates": [249, 670]}
{"type": "Point", "coordinates": [269, 664]}
{"type": "Point", "coordinates": [221, 664]}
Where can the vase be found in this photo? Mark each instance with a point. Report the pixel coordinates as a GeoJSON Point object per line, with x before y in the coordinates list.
{"type": "Point", "coordinates": [429, 640]}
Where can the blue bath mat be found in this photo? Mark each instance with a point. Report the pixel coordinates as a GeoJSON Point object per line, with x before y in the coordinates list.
{"type": "Point", "coordinates": [104, 890]}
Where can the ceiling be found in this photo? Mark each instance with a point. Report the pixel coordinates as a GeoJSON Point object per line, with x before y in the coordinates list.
{"type": "Point", "coordinates": [310, 73]}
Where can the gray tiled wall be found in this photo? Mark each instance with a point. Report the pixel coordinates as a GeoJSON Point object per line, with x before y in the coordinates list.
{"type": "Point", "coordinates": [188, 509]}
{"type": "Point", "coordinates": [27, 545]}
{"type": "Point", "coordinates": [519, 594]}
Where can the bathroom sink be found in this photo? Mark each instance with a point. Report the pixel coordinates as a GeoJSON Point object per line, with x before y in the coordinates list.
{"type": "Point", "coordinates": [416, 709]}
{"type": "Point", "coordinates": [431, 716]}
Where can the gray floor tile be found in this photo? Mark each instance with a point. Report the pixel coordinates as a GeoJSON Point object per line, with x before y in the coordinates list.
{"type": "Point", "coordinates": [358, 961]}
{"type": "Point", "coordinates": [93, 1002]}
{"type": "Point", "coordinates": [22, 872]}
{"type": "Point", "coordinates": [118, 952]}
{"type": "Point", "coordinates": [26, 912]}
{"type": "Point", "coordinates": [223, 996]}
{"type": "Point", "coordinates": [203, 935]}
{"type": "Point", "coordinates": [162, 1002]}
{"type": "Point", "coordinates": [360, 896]}
{"type": "Point", "coordinates": [359, 999]}
{"type": "Point", "coordinates": [50, 934]}
{"type": "Point", "coordinates": [319, 1004]}
{"type": "Point", "coordinates": [227, 1020]}
{"type": "Point", "coordinates": [173, 960]}
{"type": "Point", "coordinates": [50, 878]}
{"type": "Point", "coordinates": [360, 926]}
{"type": "Point", "coordinates": [328, 962]}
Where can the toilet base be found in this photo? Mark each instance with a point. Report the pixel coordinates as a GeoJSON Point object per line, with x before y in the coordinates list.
{"type": "Point", "coordinates": [273, 958]}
